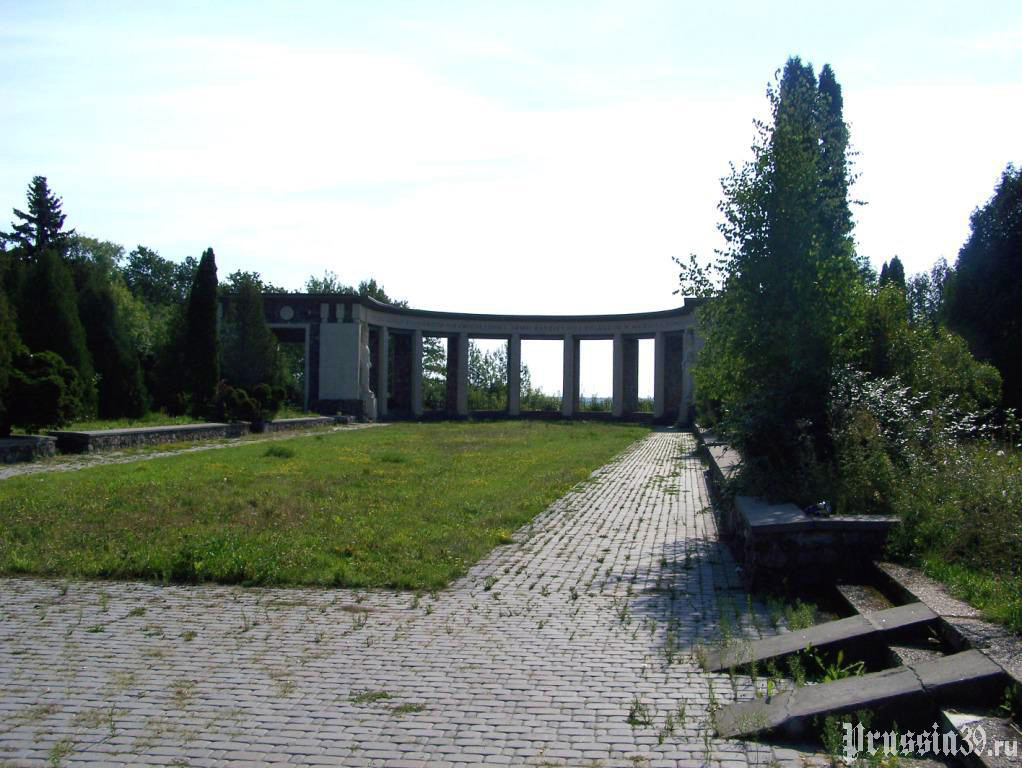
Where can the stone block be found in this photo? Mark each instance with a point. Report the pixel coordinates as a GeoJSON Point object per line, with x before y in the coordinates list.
{"type": "Point", "coordinates": [26, 448]}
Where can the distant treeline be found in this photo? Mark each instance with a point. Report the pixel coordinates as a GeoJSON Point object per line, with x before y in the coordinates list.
{"type": "Point", "coordinates": [89, 330]}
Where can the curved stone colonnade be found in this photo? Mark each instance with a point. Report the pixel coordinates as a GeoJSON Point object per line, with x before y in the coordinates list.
{"type": "Point", "coordinates": [361, 353]}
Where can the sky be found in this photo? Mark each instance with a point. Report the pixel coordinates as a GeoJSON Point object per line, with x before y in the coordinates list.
{"type": "Point", "coordinates": [547, 157]}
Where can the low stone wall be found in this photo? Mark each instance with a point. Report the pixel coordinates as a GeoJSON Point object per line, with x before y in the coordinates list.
{"type": "Point", "coordinates": [780, 545]}
{"type": "Point", "coordinates": [113, 439]}
{"type": "Point", "coordinates": [26, 448]}
{"type": "Point", "coordinates": [305, 422]}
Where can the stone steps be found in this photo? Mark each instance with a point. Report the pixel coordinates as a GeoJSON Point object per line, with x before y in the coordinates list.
{"type": "Point", "coordinates": [841, 633]}
{"type": "Point", "coordinates": [902, 692]}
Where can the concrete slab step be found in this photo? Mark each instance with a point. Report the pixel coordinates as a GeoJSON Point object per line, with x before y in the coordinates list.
{"type": "Point", "coordinates": [914, 689]}
{"type": "Point", "coordinates": [963, 623]}
{"type": "Point", "coordinates": [843, 632]}
{"type": "Point", "coordinates": [863, 598]}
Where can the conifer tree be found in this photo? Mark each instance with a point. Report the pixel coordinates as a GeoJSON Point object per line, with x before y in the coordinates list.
{"type": "Point", "coordinates": [201, 338]}
{"type": "Point", "coordinates": [42, 227]}
{"type": "Point", "coordinates": [48, 320]}
{"type": "Point", "coordinates": [120, 389]}
{"type": "Point", "coordinates": [985, 290]}
{"type": "Point", "coordinates": [9, 345]}
{"type": "Point", "coordinates": [251, 354]}
{"type": "Point", "coordinates": [893, 272]}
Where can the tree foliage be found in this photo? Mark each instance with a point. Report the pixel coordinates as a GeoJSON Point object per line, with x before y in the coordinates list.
{"type": "Point", "coordinates": [156, 280]}
{"type": "Point", "coordinates": [833, 382]}
{"type": "Point", "coordinates": [926, 296]}
{"type": "Point", "coordinates": [893, 272]}
{"type": "Point", "coordinates": [240, 278]}
{"type": "Point", "coordinates": [985, 292]}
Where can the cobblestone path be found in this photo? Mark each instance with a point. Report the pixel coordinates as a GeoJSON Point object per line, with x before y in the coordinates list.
{"type": "Point", "coordinates": [538, 656]}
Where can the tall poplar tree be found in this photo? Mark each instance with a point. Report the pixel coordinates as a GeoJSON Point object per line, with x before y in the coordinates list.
{"type": "Point", "coordinates": [791, 295]}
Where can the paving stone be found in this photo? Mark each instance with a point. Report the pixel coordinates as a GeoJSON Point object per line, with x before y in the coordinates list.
{"type": "Point", "coordinates": [545, 662]}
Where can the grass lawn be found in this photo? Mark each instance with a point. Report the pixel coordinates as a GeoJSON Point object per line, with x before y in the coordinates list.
{"type": "Point", "coordinates": [407, 505]}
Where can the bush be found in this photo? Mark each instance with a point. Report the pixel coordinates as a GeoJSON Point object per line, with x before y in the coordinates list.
{"type": "Point", "coordinates": [963, 505]}
{"type": "Point", "coordinates": [235, 404]}
{"type": "Point", "coordinates": [866, 481]}
{"type": "Point", "coordinates": [269, 399]}
{"type": "Point", "coordinates": [43, 391]}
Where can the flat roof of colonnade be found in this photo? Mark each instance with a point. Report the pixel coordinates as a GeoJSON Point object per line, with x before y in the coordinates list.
{"type": "Point", "coordinates": [283, 308]}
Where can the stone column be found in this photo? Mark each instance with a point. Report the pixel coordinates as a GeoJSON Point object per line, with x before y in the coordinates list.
{"type": "Point", "coordinates": [659, 375]}
{"type": "Point", "coordinates": [514, 375]}
{"type": "Point", "coordinates": [687, 395]}
{"type": "Point", "coordinates": [416, 373]}
{"type": "Point", "coordinates": [569, 393]}
{"type": "Point", "coordinates": [618, 402]}
{"type": "Point", "coordinates": [382, 370]}
{"type": "Point", "coordinates": [462, 374]}
{"type": "Point", "coordinates": [630, 376]}
{"type": "Point", "coordinates": [456, 399]}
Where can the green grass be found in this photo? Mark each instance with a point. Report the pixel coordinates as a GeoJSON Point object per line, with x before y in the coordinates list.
{"type": "Point", "coordinates": [962, 517]}
{"type": "Point", "coordinates": [155, 419]}
{"type": "Point", "coordinates": [998, 597]}
{"type": "Point", "coordinates": [408, 506]}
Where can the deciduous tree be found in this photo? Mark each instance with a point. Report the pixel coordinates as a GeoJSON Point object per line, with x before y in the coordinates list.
{"type": "Point", "coordinates": [791, 292]}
